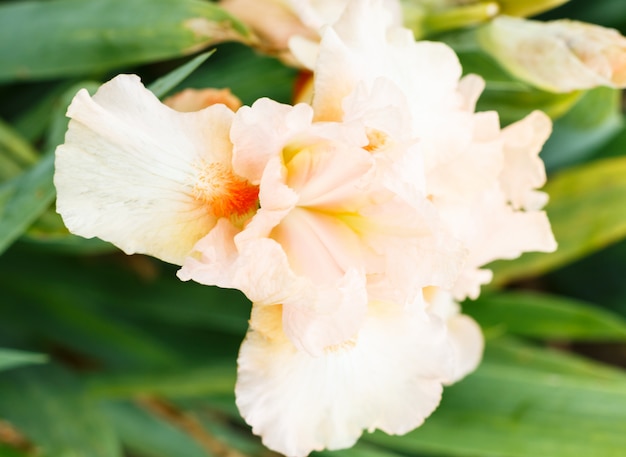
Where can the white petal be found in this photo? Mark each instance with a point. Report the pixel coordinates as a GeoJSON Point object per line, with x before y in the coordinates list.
{"type": "Point", "coordinates": [464, 333]}
{"type": "Point", "coordinates": [524, 170]}
{"type": "Point", "coordinates": [261, 131]}
{"type": "Point", "coordinates": [128, 166]}
{"type": "Point", "coordinates": [389, 378]}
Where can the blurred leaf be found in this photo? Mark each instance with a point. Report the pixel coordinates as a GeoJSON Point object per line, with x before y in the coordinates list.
{"type": "Point", "coordinates": [34, 116]}
{"type": "Point", "coordinates": [24, 198]}
{"type": "Point", "coordinates": [121, 311]}
{"type": "Point", "coordinates": [64, 312]}
{"type": "Point", "coordinates": [361, 450]}
{"type": "Point", "coordinates": [524, 408]}
{"type": "Point", "coordinates": [163, 85]}
{"type": "Point", "coordinates": [604, 268]}
{"type": "Point", "coordinates": [213, 379]}
{"type": "Point", "coordinates": [27, 196]}
{"type": "Point", "coordinates": [49, 407]}
{"type": "Point", "coordinates": [15, 152]}
{"type": "Point", "coordinates": [6, 451]}
{"type": "Point", "coordinates": [147, 435]}
{"type": "Point", "coordinates": [44, 39]}
{"type": "Point", "coordinates": [586, 210]}
{"type": "Point", "coordinates": [10, 358]}
{"type": "Point", "coordinates": [528, 7]}
{"type": "Point", "coordinates": [546, 316]}
{"type": "Point", "coordinates": [232, 66]}
{"type": "Point", "coordinates": [590, 124]}
{"type": "Point", "coordinates": [609, 13]}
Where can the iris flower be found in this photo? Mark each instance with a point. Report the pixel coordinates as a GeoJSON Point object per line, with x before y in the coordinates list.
{"type": "Point", "coordinates": [353, 223]}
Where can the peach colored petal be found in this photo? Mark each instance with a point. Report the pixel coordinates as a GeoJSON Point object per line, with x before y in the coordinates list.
{"type": "Point", "coordinates": [190, 100]}
{"type": "Point", "coordinates": [388, 377]}
{"type": "Point", "coordinates": [523, 170]}
{"type": "Point", "coordinates": [129, 168]}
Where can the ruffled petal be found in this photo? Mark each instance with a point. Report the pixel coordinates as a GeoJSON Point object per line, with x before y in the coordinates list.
{"type": "Point", "coordinates": [523, 170]}
{"type": "Point", "coordinates": [388, 377]}
{"type": "Point", "coordinates": [465, 334]}
{"type": "Point", "coordinates": [128, 167]}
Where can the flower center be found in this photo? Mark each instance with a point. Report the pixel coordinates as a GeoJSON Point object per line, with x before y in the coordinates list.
{"type": "Point", "coordinates": [223, 192]}
{"type": "Point", "coordinates": [377, 140]}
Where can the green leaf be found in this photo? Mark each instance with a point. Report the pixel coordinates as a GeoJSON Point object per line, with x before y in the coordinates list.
{"type": "Point", "coordinates": [147, 435]}
{"type": "Point", "coordinates": [45, 39]}
{"type": "Point", "coordinates": [546, 316]}
{"type": "Point", "coordinates": [6, 451]}
{"type": "Point", "coordinates": [163, 85]}
{"type": "Point", "coordinates": [24, 198]}
{"type": "Point", "coordinates": [360, 450]}
{"type": "Point", "coordinates": [119, 310]}
{"type": "Point", "coordinates": [50, 408]}
{"type": "Point", "coordinates": [516, 406]}
{"type": "Point", "coordinates": [10, 358]}
{"type": "Point", "coordinates": [15, 152]}
{"type": "Point", "coordinates": [232, 66]}
{"type": "Point", "coordinates": [193, 381]}
{"type": "Point", "coordinates": [586, 210]}
{"type": "Point", "coordinates": [586, 128]}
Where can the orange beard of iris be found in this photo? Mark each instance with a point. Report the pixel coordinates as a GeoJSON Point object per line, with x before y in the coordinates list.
{"type": "Point", "coordinates": [224, 193]}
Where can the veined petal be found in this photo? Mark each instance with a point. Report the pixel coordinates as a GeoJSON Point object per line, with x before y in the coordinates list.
{"type": "Point", "coordinates": [388, 378]}
{"type": "Point", "coordinates": [129, 169]}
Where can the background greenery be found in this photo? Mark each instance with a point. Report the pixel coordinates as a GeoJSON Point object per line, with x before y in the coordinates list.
{"type": "Point", "coordinates": [108, 355]}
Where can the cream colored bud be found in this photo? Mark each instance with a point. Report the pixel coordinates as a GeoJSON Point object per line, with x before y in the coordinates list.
{"type": "Point", "coordinates": [558, 56]}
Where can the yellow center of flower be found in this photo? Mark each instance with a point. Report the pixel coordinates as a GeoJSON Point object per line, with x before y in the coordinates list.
{"type": "Point", "coordinates": [223, 192]}
{"type": "Point", "coordinates": [377, 140]}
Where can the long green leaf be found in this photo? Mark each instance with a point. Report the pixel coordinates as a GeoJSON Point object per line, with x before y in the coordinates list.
{"type": "Point", "coordinates": [10, 358]}
{"type": "Point", "coordinates": [190, 382]}
{"type": "Point", "coordinates": [49, 407]}
{"type": "Point", "coordinates": [586, 210]}
{"type": "Point", "coordinates": [147, 435]}
{"type": "Point", "coordinates": [546, 316]}
{"type": "Point", "coordinates": [25, 197]}
{"type": "Point", "coordinates": [589, 125]}
{"type": "Point", "coordinates": [163, 85]}
{"type": "Point", "coordinates": [45, 39]}
{"type": "Point", "coordinates": [524, 408]}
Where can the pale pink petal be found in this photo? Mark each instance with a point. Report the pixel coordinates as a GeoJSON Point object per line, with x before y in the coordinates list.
{"type": "Point", "coordinates": [388, 377]}
{"type": "Point", "coordinates": [491, 229]}
{"type": "Point", "coordinates": [259, 269]}
{"type": "Point", "coordinates": [465, 334]}
{"type": "Point", "coordinates": [328, 315]}
{"type": "Point", "coordinates": [128, 167]}
{"type": "Point", "coordinates": [261, 131]}
{"type": "Point", "coordinates": [523, 169]}
{"type": "Point", "coordinates": [365, 45]}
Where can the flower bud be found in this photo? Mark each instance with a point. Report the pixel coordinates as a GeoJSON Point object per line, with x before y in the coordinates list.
{"type": "Point", "coordinates": [557, 56]}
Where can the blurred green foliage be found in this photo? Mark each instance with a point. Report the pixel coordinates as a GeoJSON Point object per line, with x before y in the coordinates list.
{"type": "Point", "coordinates": [107, 355]}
